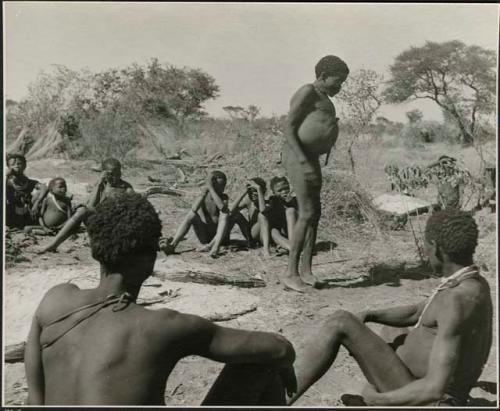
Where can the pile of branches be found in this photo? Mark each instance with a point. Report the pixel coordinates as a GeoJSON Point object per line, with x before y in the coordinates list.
{"type": "Point", "coordinates": [346, 204]}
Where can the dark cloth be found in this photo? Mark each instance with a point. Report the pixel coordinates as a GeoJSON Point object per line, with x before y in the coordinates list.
{"type": "Point", "coordinates": [18, 194]}
{"type": "Point", "coordinates": [277, 212]}
{"type": "Point", "coordinates": [449, 400]}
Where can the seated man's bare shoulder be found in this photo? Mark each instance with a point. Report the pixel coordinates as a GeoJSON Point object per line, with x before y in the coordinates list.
{"type": "Point", "coordinates": [461, 303]}
{"type": "Point", "coordinates": [55, 301]}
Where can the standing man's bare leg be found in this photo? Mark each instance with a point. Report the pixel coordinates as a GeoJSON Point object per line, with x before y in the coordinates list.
{"type": "Point", "coordinates": [310, 241]}
{"type": "Point", "coordinates": [291, 219]}
{"type": "Point", "coordinates": [291, 278]}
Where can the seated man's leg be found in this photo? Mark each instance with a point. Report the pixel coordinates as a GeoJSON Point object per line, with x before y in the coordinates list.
{"type": "Point", "coordinates": [192, 219]}
{"type": "Point", "coordinates": [204, 232]}
{"type": "Point", "coordinates": [69, 228]}
{"type": "Point", "coordinates": [246, 384]}
{"type": "Point", "coordinates": [377, 360]}
{"type": "Point", "coordinates": [280, 239]}
{"type": "Point", "coordinates": [36, 230]}
{"type": "Point", "coordinates": [260, 232]}
{"type": "Point", "coordinates": [243, 224]}
{"type": "Point", "coordinates": [291, 219]}
{"type": "Point", "coordinates": [224, 227]}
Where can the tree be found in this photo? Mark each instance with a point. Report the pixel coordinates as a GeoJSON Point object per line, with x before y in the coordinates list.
{"type": "Point", "coordinates": [168, 91]}
{"type": "Point", "coordinates": [414, 116]}
{"type": "Point", "coordinates": [237, 112]}
{"type": "Point", "coordinates": [459, 78]}
{"type": "Point", "coordinates": [360, 99]}
{"type": "Point", "coordinates": [234, 112]}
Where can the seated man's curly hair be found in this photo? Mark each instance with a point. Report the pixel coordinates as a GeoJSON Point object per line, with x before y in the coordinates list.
{"type": "Point", "coordinates": [276, 180]}
{"type": "Point", "coordinates": [122, 226]}
{"type": "Point", "coordinates": [12, 156]}
{"type": "Point", "coordinates": [331, 65]}
{"type": "Point", "coordinates": [456, 234]}
{"type": "Point", "coordinates": [111, 162]}
{"type": "Point", "coordinates": [260, 182]}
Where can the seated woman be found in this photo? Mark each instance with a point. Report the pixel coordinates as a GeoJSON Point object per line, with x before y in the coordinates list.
{"type": "Point", "coordinates": [109, 185]}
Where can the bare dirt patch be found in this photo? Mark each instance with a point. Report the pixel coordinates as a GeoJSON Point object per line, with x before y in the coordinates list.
{"type": "Point", "coordinates": [362, 271]}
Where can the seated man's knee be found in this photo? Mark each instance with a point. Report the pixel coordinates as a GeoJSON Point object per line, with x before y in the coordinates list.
{"type": "Point", "coordinates": [340, 321]}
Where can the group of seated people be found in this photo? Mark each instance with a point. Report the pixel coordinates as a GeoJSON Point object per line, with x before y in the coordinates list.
{"type": "Point", "coordinates": [99, 347]}
{"type": "Point", "coordinates": [44, 210]}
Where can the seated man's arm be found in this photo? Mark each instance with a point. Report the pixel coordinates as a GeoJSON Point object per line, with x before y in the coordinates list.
{"type": "Point", "coordinates": [235, 346]}
{"type": "Point", "coordinates": [95, 195]}
{"type": "Point", "coordinates": [217, 199]}
{"type": "Point", "coordinates": [403, 316]}
{"type": "Point", "coordinates": [442, 361]}
{"type": "Point", "coordinates": [34, 366]}
{"type": "Point", "coordinates": [238, 205]}
{"type": "Point", "coordinates": [39, 197]}
{"type": "Point", "coordinates": [129, 189]}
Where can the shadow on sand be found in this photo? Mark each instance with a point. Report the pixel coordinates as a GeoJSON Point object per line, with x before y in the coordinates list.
{"type": "Point", "coordinates": [389, 274]}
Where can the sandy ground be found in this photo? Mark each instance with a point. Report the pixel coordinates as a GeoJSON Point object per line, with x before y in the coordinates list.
{"type": "Point", "coordinates": [357, 279]}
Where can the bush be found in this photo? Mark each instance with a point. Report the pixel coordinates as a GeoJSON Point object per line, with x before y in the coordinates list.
{"type": "Point", "coordinates": [415, 134]}
{"type": "Point", "coordinates": [109, 134]}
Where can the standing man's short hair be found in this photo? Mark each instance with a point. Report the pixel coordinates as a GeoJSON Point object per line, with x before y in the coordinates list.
{"type": "Point", "coordinates": [331, 65]}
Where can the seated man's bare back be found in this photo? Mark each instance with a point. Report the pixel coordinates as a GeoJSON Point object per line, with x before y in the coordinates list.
{"type": "Point", "coordinates": [98, 347]}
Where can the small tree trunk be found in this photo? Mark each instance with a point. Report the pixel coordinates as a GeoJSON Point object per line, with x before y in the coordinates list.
{"type": "Point", "coordinates": [351, 158]}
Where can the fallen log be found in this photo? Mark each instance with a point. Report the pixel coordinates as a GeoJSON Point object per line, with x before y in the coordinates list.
{"type": "Point", "coordinates": [168, 191]}
{"type": "Point", "coordinates": [212, 278]}
{"type": "Point", "coordinates": [14, 353]}
{"type": "Point", "coordinates": [216, 317]}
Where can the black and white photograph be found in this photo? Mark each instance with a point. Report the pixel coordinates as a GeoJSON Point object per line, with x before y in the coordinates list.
{"type": "Point", "coordinates": [228, 204]}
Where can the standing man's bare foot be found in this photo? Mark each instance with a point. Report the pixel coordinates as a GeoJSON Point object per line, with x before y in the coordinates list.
{"type": "Point", "coordinates": [294, 283]}
{"type": "Point", "coordinates": [309, 278]}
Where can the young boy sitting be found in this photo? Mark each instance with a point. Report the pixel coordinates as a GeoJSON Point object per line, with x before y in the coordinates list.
{"type": "Point", "coordinates": [282, 212]}
{"type": "Point", "coordinates": [22, 205]}
{"type": "Point", "coordinates": [208, 216]}
{"type": "Point", "coordinates": [55, 209]}
{"type": "Point", "coordinates": [98, 347]}
{"type": "Point", "coordinates": [255, 229]}
{"type": "Point", "coordinates": [109, 185]}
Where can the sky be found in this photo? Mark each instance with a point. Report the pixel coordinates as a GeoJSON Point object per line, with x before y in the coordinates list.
{"type": "Point", "coordinates": [258, 53]}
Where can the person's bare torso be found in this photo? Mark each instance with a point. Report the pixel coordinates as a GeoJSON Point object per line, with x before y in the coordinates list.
{"type": "Point", "coordinates": [55, 216]}
{"type": "Point", "coordinates": [111, 358]}
{"type": "Point", "coordinates": [209, 210]}
{"type": "Point", "coordinates": [318, 131]}
{"type": "Point", "coordinates": [476, 338]}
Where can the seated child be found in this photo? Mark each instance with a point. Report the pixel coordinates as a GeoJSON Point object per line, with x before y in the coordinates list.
{"type": "Point", "coordinates": [208, 215]}
{"type": "Point", "coordinates": [22, 205]}
{"type": "Point", "coordinates": [282, 212]}
{"type": "Point", "coordinates": [256, 228]}
{"type": "Point", "coordinates": [109, 185]}
{"type": "Point", "coordinates": [55, 209]}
